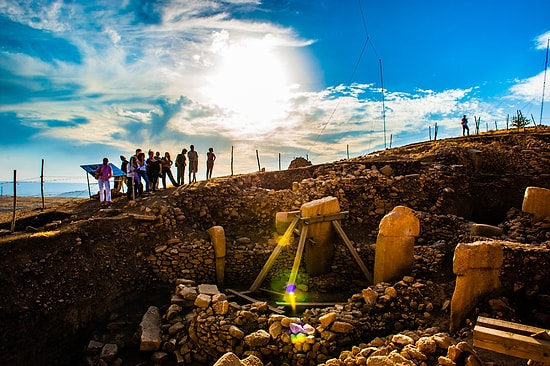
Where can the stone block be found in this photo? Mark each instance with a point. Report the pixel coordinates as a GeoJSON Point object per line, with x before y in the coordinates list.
{"type": "Point", "coordinates": [394, 258]}
{"type": "Point", "coordinates": [259, 338]}
{"type": "Point", "coordinates": [202, 301]}
{"type": "Point", "coordinates": [217, 235]}
{"type": "Point", "coordinates": [109, 352]}
{"type": "Point", "coordinates": [478, 255]}
{"type": "Point", "coordinates": [536, 201]}
{"type": "Point", "coordinates": [341, 327]}
{"type": "Point", "coordinates": [486, 230]}
{"type": "Point", "coordinates": [252, 360]}
{"type": "Point", "coordinates": [228, 359]}
{"type": "Point", "coordinates": [318, 257]}
{"type": "Point", "coordinates": [283, 220]}
{"type": "Point", "coordinates": [150, 339]}
{"type": "Point", "coordinates": [400, 222]}
{"type": "Point", "coordinates": [477, 266]}
{"type": "Point", "coordinates": [208, 289]}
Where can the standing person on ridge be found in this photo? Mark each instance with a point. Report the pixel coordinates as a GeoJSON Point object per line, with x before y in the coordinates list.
{"type": "Point", "coordinates": [193, 157]}
{"type": "Point", "coordinates": [166, 166]}
{"type": "Point", "coordinates": [103, 173]}
{"type": "Point", "coordinates": [181, 163]}
{"type": "Point", "coordinates": [465, 128]}
{"type": "Point", "coordinates": [124, 168]}
{"type": "Point", "coordinates": [153, 170]}
{"type": "Point", "coordinates": [142, 174]}
{"type": "Point", "coordinates": [210, 157]}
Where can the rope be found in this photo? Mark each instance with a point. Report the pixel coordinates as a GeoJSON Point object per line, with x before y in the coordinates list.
{"type": "Point", "coordinates": [357, 63]}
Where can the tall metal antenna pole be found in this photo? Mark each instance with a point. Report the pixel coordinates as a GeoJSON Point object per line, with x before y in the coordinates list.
{"type": "Point", "coordinates": [383, 101]}
{"type": "Point", "coordinates": [544, 81]}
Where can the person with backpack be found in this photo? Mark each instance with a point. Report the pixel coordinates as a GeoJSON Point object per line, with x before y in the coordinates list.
{"type": "Point", "coordinates": [465, 128]}
{"type": "Point", "coordinates": [103, 173]}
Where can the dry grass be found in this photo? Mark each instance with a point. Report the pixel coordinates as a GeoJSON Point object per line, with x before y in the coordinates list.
{"type": "Point", "coordinates": [26, 206]}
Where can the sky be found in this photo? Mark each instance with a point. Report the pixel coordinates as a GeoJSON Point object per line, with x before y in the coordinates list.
{"type": "Point", "coordinates": [262, 82]}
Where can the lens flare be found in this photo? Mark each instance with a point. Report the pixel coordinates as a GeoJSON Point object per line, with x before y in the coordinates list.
{"type": "Point", "coordinates": [291, 295]}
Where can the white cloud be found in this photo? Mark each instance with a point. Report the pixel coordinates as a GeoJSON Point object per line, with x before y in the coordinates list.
{"type": "Point", "coordinates": [528, 89]}
{"type": "Point", "coordinates": [542, 41]}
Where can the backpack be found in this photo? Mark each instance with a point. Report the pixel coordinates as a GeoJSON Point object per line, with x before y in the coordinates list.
{"type": "Point", "coordinates": [124, 166]}
{"type": "Point", "coordinates": [98, 172]}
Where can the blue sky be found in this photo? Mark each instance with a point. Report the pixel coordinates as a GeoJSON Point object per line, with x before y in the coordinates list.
{"type": "Point", "coordinates": [81, 80]}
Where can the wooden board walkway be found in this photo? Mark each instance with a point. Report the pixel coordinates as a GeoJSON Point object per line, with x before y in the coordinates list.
{"type": "Point", "coordinates": [513, 339]}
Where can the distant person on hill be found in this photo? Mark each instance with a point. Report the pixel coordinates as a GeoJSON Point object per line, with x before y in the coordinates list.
{"type": "Point", "coordinates": [465, 128]}
{"type": "Point", "coordinates": [166, 166]}
{"type": "Point", "coordinates": [193, 157]}
{"type": "Point", "coordinates": [181, 163]}
{"type": "Point", "coordinates": [210, 157]}
{"type": "Point", "coordinates": [153, 170]}
{"type": "Point", "coordinates": [103, 173]}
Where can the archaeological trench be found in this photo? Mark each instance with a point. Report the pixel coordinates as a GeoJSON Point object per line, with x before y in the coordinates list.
{"type": "Point", "coordinates": [451, 230]}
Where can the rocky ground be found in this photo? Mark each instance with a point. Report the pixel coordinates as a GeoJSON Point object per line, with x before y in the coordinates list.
{"type": "Point", "coordinates": [49, 263]}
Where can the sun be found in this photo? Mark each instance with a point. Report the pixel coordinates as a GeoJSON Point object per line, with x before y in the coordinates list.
{"type": "Point", "coordinates": [251, 82]}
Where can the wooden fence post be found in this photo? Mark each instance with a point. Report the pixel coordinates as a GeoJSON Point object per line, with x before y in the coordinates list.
{"type": "Point", "coordinates": [14, 200]}
{"type": "Point", "coordinates": [231, 159]}
{"type": "Point", "coordinates": [42, 184]}
{"type": "Point", "coordinates": [258, 158]}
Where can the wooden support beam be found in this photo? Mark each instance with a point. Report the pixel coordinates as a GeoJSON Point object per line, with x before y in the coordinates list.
{"type": "Point", "coordinates": [298, 258]}
{"type": "Point", "coordinates": [323, 218]}
{"type": "Point", "coordinates": [253, 300]}
{"type": "Point", "coordinates": [352, 250]}
{"type": "Point", "coordinates": [269, 263]}
{"type": "Point", "coordinates": [512, 339]}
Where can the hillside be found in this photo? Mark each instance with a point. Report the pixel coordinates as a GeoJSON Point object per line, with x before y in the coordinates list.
{"type": "Point", "coordinates": [69, 268]}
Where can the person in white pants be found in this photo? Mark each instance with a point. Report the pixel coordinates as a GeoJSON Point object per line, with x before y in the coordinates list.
{"type": "Point", "coordinates": [103, 173]}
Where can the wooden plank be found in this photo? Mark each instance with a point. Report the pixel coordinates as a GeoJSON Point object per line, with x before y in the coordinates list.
{"type": "Point", "coordinates": [512, 344]}
{"type": "Point", "coordinates": [252, 300]}
{"type": "Point", "coordinates": [521, 329]}
{"type": "Point", "coordinates": [308, 304]}
{"type": "Point", "coordinates": [272, 292]}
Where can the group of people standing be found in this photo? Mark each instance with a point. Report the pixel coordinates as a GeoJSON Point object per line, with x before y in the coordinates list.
{"type": "Point", "coordinates": [144, 173]}
{"type": "Point", "coordinates": [193, 157]}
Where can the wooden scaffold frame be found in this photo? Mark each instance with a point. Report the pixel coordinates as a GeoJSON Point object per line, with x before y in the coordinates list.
{"type": "Point", "coordinates": [304, 222]}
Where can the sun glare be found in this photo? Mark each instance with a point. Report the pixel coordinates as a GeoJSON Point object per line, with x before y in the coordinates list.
{"type": "Point", "coordinates": [251, 82]}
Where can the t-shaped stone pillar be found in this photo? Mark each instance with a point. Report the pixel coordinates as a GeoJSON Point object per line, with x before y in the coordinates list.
{"type": "Point", "coordinates": [394, 255]}
{"type": "Point", "coordinates": [318, 256]}
{"type": "Point", "coordinates": [477, 267]}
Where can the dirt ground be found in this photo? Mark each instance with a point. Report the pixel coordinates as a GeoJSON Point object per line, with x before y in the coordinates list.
{"type": "Point", "coordinates": [32, 203]}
